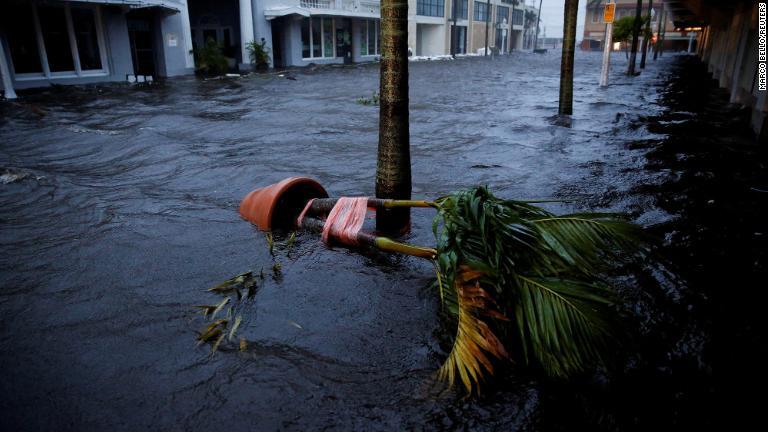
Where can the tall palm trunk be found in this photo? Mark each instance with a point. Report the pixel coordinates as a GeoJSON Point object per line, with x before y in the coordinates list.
{"type": "Point", "coordinates": [635, 36]}
{"type": "Point", "coordinates": [393, 168]}
{"type": "Point", "coordinates": [566, 63]}
{"type": "Point", "coordinates": [645, 36]}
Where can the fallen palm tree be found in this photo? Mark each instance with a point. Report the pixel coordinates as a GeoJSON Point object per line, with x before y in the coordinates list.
{"type": "Point", "coordinates": [521, 283]}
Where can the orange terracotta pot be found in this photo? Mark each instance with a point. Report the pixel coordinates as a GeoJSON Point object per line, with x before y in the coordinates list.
{"type": "Point", "coordinates": [279, 205]}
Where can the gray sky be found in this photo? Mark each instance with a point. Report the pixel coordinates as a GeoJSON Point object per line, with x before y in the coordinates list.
{"type": "Point", "coordinates": [552, 17]}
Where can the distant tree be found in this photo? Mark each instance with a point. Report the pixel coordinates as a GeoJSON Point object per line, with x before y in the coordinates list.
{"type": "Point", "coordinates": [622, 30]}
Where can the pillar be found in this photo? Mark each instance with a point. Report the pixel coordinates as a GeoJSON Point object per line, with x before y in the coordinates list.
{"type": "Point", "coordinates": [186, 31]}
{"type": "Point", "coordinates": [246, 29]}
{"type": "Point", "coordinates": [5, 71]}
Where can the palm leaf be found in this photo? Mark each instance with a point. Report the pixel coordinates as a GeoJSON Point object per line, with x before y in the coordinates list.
{"type": "Point", "coordinates": [475, 342]}
{"type": "Point", "coordinates": [510, 258]}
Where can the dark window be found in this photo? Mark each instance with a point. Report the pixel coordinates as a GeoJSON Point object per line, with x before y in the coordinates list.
{"type": "Point", "coordinates": [435, 8]}
{"type": "Point", "coordinates": [462, 9]}
{"type": "Point", "coordinates": [317, 39]}
{"type": "Point", "coordinates": [461, 40]}
{"type": "Point", "coordinates": [502, 13]}
{"type": "Point", "coordinates": [481, 11]}
{"type": "Point", "coordinates": [53, 23]}
{"type": "Point", "coordinates": [87, 41]}
{"type": "Point", "coordinates": [305, 42]}
{"type": "Point", "coordinates": [18, 22]}
{"type": "Point", "coordinates": [227, 38]}
{"type": "Point", "coordinates": [517, 16]}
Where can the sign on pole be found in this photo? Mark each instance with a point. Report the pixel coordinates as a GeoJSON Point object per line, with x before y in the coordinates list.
{"type": "Point", "coordinates": [610, 8]}
{"type": "Point", "coordinates": [609, 12]}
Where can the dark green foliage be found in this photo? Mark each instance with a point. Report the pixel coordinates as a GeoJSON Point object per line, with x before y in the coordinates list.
{"type": "Point", "coordinates": [259, 54]}
{"type": "Point", "coordinates": [209, 60]}
{"type": "Point", "coordinates": [541, 272]}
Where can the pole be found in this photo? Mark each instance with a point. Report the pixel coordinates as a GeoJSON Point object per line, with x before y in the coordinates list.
{"type": "Point", "coordinates": [690, 43]}
{"type": "Point", "coordinates": [658, 33]}
{"type": "Point", "coordinates": [663, 35]}
{"type": "Point", "coordinates": [606, 55]}
{"type": "Point", "coordinates": [538, 20]}
{"type": "Point", "coordinates": [645, 35]}
{"type": "Point", "coordinates": [454, 3]}
{"type": "Point", "coordinates": [5, 71]}
{"type": "Point", "coordinates": [487, 20]}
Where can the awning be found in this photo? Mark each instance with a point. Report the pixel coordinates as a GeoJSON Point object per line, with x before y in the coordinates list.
{"type": "Point", "coordinates": [281, 11]}
{"type": "Point", "coordinates": [136, 4]}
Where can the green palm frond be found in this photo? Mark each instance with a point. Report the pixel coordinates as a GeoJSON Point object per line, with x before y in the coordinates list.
{"type": "Point", "coordinates": [545, 272]}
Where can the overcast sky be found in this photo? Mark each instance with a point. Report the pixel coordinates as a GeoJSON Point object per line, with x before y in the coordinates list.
{"type": "Point", "coordinates": [552, 17]}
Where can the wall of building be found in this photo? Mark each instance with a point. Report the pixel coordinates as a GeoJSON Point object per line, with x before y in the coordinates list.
{"type": "Point", "coordinates": [172, 45]}
{"type": "Point", "coordinates": [430, 39]}
{"type": "Point", "coordinates": [728, 46]}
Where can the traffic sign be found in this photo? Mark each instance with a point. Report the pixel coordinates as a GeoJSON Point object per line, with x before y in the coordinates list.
{"type": "Point", "coordinates": [610, 9]}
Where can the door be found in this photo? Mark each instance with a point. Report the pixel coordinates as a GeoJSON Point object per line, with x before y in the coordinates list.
{"type": "Point", "coordinates": [344, 39]}
{"type": "Point", "coordinates": [142, 45]}
{"type": "Point", "coordinates": [277, 43]}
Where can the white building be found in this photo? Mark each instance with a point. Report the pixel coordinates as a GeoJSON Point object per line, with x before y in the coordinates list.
{"type": "Point", "coordinates": [82, 41]}
{"type": "Point", "coordinates": [73, 42]}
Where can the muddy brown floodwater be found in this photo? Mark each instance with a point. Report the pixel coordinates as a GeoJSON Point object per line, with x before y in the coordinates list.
{"type": "Point", "coordinates": [118, 209]}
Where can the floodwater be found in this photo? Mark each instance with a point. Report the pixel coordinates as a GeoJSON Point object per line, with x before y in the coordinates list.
{"type": "Point", "coordinates": [118, 209]}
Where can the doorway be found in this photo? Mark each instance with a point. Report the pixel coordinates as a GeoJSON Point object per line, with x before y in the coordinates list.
{"type": "Point", "coordinates": [142, 42]}
{"type": "Point", "coordinates": [344, 39]}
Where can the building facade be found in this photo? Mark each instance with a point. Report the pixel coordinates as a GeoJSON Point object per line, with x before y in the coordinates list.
{"type": "Point", "coordinates": [82, 41]}
{"type": "Point", "coordinates": [73, 42]}
{"type": "Point", "coordinates": [594, 25]}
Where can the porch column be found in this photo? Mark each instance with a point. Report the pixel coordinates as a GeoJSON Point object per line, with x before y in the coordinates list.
{"type": "Point", "coordinates": [246, 29]}
{"type": "Point", "coordinates": [5, 71]}
{"type": "Point", "coordinates": [186, 33]}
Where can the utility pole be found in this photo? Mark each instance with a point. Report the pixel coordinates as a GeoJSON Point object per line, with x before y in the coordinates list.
{"type": "Point", "coordinates": [635, 36]}
{"type": "Point", "coordinates": [454, 5]}
{"type": "Point", "coordinates": [538, 20]}
{"type": "Point", "coordinates": [610, 10]}
{"type": "Point", "coordinates": [645, 35]}
{"type": "Point", "coordinates": [487, 23]}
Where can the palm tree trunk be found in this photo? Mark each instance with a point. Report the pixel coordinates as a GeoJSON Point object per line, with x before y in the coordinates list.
{"type": "Point", "coordinates": [635, 36]}
{"type": "Point", "coordinates": [393, 168]}
{"type": "Point", "coordinates": [571, 11]}
{"type": "Point", "coordinates": [645, 36]}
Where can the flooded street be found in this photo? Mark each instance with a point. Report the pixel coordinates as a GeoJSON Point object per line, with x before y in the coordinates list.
{"type": "Point", "coordinates": [123, 213]}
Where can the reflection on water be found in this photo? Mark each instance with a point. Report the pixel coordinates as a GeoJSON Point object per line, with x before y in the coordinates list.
{"type": "Point", "coordinates": [125, 211]}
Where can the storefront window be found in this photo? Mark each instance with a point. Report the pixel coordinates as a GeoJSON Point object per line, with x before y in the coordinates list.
{"type": "Point", "coordinates": [53, 22]}
{"type": "Point", "coordinates": [61, 40]}
{"type": "Point", "coordinates": [369, 43]}
{"type": "Point", "coordinates": [317, 37]}
{"type": "Point", "coordinates": [19, 25]}
{"type": "Point", "coordinates": [87, 39]}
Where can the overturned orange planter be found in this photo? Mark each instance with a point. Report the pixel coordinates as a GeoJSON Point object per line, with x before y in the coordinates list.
{"type": "Point", "coordinates": [279, 205]}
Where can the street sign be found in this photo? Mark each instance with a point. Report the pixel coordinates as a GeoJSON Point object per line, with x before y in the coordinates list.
{"type": "Point", "coordinates": [610, 8]}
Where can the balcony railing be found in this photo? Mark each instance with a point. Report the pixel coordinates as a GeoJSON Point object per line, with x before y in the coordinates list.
{"type": "Point", "coordinates": [364, 6]}
{"type": "Point", "coordinates": [316, 4]}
